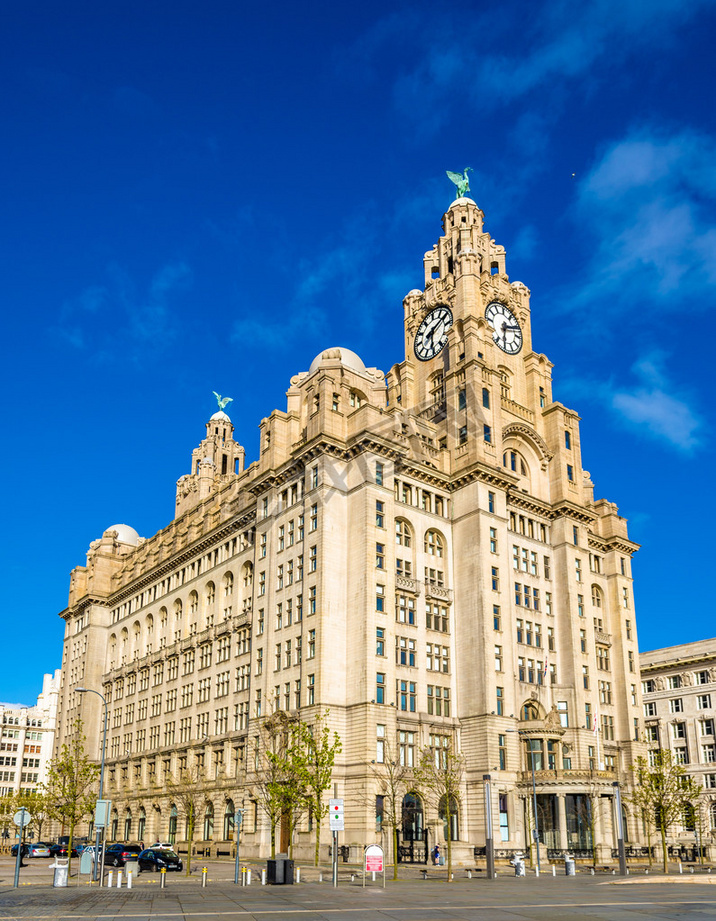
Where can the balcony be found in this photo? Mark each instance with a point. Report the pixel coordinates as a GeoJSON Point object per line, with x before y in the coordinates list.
{"type": "Point", "coordinates": [604, 638]}
{"type": "Point", "coordinates": [404, 584]}
{"type": "Point", "coordinates": [433, 590]}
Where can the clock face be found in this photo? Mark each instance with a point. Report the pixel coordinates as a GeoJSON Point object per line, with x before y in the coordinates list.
{"type": "Point", "coordinates": [507, 334]}
{"type": "Point", "coordinates": [432, 333]}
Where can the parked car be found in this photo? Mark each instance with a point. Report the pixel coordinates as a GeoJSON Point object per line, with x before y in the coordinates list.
{"type": "Point", "coordinates": [116, 855]}
{"type": "Point", "coordinates": [161, 847]}
{"type": "Point", "coordinates": [60, 850]}
{"type": "Point", "coordinates": [25, 850]}
{"type": "Point", "coordinates": [156, 859]}
{"type": "Point", "coordinates": [39, 849]}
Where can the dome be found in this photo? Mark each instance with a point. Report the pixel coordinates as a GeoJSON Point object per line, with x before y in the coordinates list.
{"type": "Point", "coordinates": [220, 416]}
{"type": "Point", "coordinates": [125, 534]}
{"type": "Point", "coordinates": [463, 201]}
{"type": "Point", "coordinates": [345, 356]}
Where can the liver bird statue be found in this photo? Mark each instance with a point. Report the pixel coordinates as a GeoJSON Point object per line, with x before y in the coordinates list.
{"type": "Point", "coordinates": [462, 183]}
{"type": "Point", "coordinates": [222, 401]}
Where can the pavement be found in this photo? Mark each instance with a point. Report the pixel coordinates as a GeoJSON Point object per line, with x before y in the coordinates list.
{"type": "Point", "coordinates": [601, 897]}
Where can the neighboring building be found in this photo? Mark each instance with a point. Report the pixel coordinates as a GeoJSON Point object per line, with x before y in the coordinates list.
{"type": "Point", "coordinates": [28, 735]}
{"type": "Point", "coordinates": [679, 688]}
{"type": "Point", "coordinates": [419, 552]}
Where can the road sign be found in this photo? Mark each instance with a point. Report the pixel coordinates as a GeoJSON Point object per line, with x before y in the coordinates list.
{"type": "Point", "coordinates": [335, 815]}
{"type": "Point", "coordinates": [22, 817]}
{"type": "Point", "coordinates": [239, 817]}
{"type": "Point", "coordinates": [101, 813]}
{"type": "Point", "coordinates": [374, 859]}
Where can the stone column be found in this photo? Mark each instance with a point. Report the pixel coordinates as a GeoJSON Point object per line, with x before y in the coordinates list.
{"type": "Point", "coordinates": [562, 819]}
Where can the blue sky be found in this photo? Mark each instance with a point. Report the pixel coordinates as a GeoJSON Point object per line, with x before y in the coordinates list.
{"type": "Point", "coordinates": [202, 196]}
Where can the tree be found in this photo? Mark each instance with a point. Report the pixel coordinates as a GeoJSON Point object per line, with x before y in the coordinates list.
{"type": "Point", "coordinates": [439, 774]}
{"type": "Point", "coordinates": [186, 790]}
{"type": "Point", "coordinates": [70, 787]}
{"type": "Point", "coordinates": [314, 759]}
{"type": "Point", "coordinates": [664, 790]}
{"type": "Point", "coordinates": [36, 805]}
{"type": "Point", "coordinates": [395, 780]}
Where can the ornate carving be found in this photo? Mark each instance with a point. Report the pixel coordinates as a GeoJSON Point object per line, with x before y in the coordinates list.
{"type": "Point", "coordinates": [519, 430]}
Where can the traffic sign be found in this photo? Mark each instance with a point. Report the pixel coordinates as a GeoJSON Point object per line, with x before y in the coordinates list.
{"type": "Point", "coordinates": [22, 817]}
{"type": "Point", "coordinates": [374, 859]}
{"type": "Point", "coordinates": [335, 815]}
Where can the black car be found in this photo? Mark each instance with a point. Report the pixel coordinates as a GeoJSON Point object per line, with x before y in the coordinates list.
{"type": "Point", "coordinates": [116, 855]}
{"type": "Point", "coordinates": [60, 850]}
{"type": "Point", "coordinates": [159, 859]}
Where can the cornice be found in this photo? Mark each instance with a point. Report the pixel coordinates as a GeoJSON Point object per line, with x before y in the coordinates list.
{"type": "Point", "coordinates": [530, 504]}
{"type": "Point", "coordinates": [567, 509]}
{"type": "Point", "coordinates": [494, 476]}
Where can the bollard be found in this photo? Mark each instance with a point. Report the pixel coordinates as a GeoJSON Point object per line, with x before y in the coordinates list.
{"type": "Point", "coordinates": [110, 879]}
{"type": "Point", "coordinates": [646, 872]}
{"type": "Point", "coordinates": [554, 870]}
{"type": "Point", "coordinates": [298, 874]}
{"type": "Point", "coordinates": [263, 877]}
{"type": "Point", "coordinates": [129, 879]}
{"type": "Point", "coordinates": [469, 874]}
{"type": "Point", "coordinates": [204, 874]}
{"type": "Point", "coordinates": [537, 871]}
{"type": "Point", "coordinates": [248, 877]}
{"type": "Point", "coordinates": [591, 870]}
{"type": "Point", "coordinates": [320, 876]}
{"type": "Point", "coordinates": [692, 869]}
{"type": "Point", "coordinates": [119, 879]}
{"type": "Point", "coordinates": [353, 876]}
{"type": "Point", "coordinates": [627, 871]}
{"type": "Point", "coordinates": [163, 879]}
{"type": "Point", "coordinates": [681, 868]}
{"type": "Point", "coordinates": [614, 872]}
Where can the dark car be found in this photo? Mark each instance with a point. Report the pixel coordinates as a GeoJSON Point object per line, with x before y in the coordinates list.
{"type": "Point", "coordinates": [60, 850]}
{"type": "Point", "coordinates": [160, 859]}
{"type": "Point", "coordinates": [25, 850]}
{"type": "Point", "coordinates": [116, 855]}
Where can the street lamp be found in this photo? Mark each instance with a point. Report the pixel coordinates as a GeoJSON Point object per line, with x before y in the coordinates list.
{"type": "Point", "coordinates": [101, 779]}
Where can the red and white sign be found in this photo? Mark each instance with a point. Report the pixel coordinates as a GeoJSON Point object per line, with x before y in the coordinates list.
{"type": "Point", "coordinates": [335, 814]}
{"type": "Point", "coordinates": [374, 859]}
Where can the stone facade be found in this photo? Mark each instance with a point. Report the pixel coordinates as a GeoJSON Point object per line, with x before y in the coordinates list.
{"type": "Point", "coordinates": [28, 736]}
{"type": "Point", "coordinates": [679, 688]}
{"type": "Point", "coordinates": [418, 552]}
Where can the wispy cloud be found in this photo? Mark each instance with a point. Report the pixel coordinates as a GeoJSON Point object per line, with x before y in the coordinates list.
{"type": "Point", "coordinates": [650, 404]}
{"type": "Point", "coordinates": [117, 316]}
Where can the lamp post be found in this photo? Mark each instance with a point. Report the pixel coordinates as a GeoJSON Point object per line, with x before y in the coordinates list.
{"type": "Point", "coordinates": [620, 829]}
{"type": "Point", "coordinates": [489, 843]}
{"type": "Point", "coordinates": [101, 781]}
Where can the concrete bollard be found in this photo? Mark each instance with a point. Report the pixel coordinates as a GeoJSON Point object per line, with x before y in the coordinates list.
{"type": "Point", "coordinates": [320, 876]}
{"type": "Point", "coordinates": [692, 869]}
{"type": "Point", "coordinates": [627, 871]}
{"type": "Point", "coordinates": [554, 870]}
{"type": "Point", "coordinates": [469, 874]}
{"type": "Point", "coordinates": [646, 871]}
{"type": "Point", "coordinates": [163, 879]}
{"type": "Point", "coordinates": [591, 871]}
{"type": "Point", "coordinates": [110, 879]}
{"type": "Point", "coordinates": [681, 867]}
{"type": "Point", "coordinates": [298, 874]}
{"type": "Point", "coordinates": [204, 875]}
{"type": "Point", "coordinates": [537, 871]}
{"type": "Point", "coordinates": [248, 877]}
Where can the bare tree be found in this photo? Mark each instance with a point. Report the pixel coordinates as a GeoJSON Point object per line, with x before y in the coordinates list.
{"type": "Point", "coordinates": [439, 774]}
{"type": "Point", "coordinates": [186, 789]}
{"type": "Point", "coordinates": [70, 788]}
{"type": "Point", "coordinates": [394, 780]}
{"type": "Point", "coordinates": [665, 790]}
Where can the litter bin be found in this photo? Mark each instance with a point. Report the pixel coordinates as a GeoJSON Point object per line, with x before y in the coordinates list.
{"type": "Point", "coordinates": [279, 871]}
{"type": "Point", "coordinates": [569, 866]}
{"type": "Point", "coordinates": [61, 870]}
{"type": "Point", "coordinates": [518, 862]}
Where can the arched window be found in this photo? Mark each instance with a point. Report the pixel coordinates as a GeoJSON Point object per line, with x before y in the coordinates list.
{"type": "Point", "coordinates": [505, 383]}
{"type": "Point", "coordinates": [597, 597]}
{"type": "Point", "coordinates": [530, 711]}
{"type": "Point", "coordinates": [403, 533]}
{"type": "Point", "coordinates": [437, 387]}
{"type": "Point", "coordinates": [210, 593]}
{"type": "Point", "coordinates": [412, 817]}
{"type": "Point", "coordinates": [485, 397]}
{"type": "Point", "coordinates": [454, 823]}
{"type": "Point", "coordinates": [514, 462]}
{"type": "Point", "coordinates": [114, 828]}
{"type": "Point", "coordinates": [149, 623]}
{"type": "Point", "coordinates": [193, 602]}
{"type": "Point", "coordinates": [178, 610]}
{"type": "Point", "coordinates": [229, 821]}
{"type": "Point", "coordinates": [209, 822]}
{"type": "Point", "coordinates": [113, 650]}
{"type": "Point", "coordinates": [163, 617]}
{"type": "Point", "coordinates": [228, 584]}
{"type": "Point", "coordinates": [248, 574]}
{"type": "Point", "coordinates": [142, 824]}
{"type": "Point", "coordinates": [128, 825]}
{"type": "Point", "coordinates": [173, 824]}
{"type": "Point", "coordinates": [434, 544]}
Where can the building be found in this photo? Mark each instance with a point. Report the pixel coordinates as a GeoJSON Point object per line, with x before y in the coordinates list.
{"type": "Point", "coordinates": [28, 736]}
{"type": "Point", "coordinates": [679, 688]}
{"type": "Point", "coordinates": [418, 552]}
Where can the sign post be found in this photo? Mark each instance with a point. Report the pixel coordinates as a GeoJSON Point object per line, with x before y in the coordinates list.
{"type": "Point", "coordinates": [373, 862]}
{"type": "Point", "coordinates": [335, 817]}
{"type": "Point", "coordinates": [238, 818]}
{"type": "Point", "coordinates": [21, 819]}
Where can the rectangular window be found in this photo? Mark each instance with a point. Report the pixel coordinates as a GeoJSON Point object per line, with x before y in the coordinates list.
{"type": "Point", "coordinates": [650, 708]}
{"type": "Point", "coordinates": [702, 677]}
{"type": "Point", "coordinates": [570, 473]}
{"type": "Point", "coordinates": [498, 658]}
{"type": "Point", "coordinates": [496, 617]}
{"type": "Point", "coordinates": [406, 694]}
{"type": "Point", "coordinates": [379, 514]}
{"type": "Point", "coordinates": [567, 441]}
{"type": "Point", "coordinates": [563, 710]}
{"type": "Point", "coordinates": [380, 744]}
{"type": "Point", "coordinates": [380, 641]}
{"type": "Point", "coordinates": [380, 598]}
{"type": "Point", "coordinates": [703, 701]}
{"type": "Point", "coordinates": [380, 688]}
{"type": "Point", "coordinates": [487, 434]}
{"type": "Point", "coordinates": [500, 701]}
{"type": "Point", "coordinates": [493, 540]}
{"type": "Point", "coordinates": [311, 690]}
{"type": "Point", "coordinates": [676, 705]}
{"type": "Point", "coordinates": [495, 579]}
{"type": "Point", "coordinates": [378, 474]}
{"type": "Point", "coordinates": [380, 556]}
{"type": "Point", "coordinates": [490, 502]}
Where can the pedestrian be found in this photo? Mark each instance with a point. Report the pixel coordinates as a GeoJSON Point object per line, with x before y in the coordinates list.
{"type": "Point", "coordinates": [436, 855]}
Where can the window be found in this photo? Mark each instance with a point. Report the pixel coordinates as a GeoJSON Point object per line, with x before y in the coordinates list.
{"type": "Point", "coordinates": [405, 651]}
{"type": "Point", "coordinates": [438, 701]}
{"type": "Point", "coordinates": [567, 441]}
{"type": "Point", "coordinates": [578, 569]}
{"type": "Point", "coordinates": [311, 690]}
{"type": "Point", "coordinates": [487, 434]}
{"type": "Point", "coordinates": [379, 514]}
{"type": "Point", "coordinates": [678, 730]}
{"type": "Point", "coordinates": [313, 520]}
{"type": "Point", "coordinates": [313, 559]}
{"type": "Point", "coordinates": [575, 535]}
{"type": "Point", "coordinates": [380, 641]}
{"type": "Point", "coordinates": [708, 754]}
{"type": "Point", "coordinates": [490, 502]}
{"type": "Point", "coordinates": [405, 609]}
{"type": "Point", "coordinates": [406, 694]}
{"type": "Point", "coordinates": [403, 534]}
{"type": "Point", "coordinates": [380, 598]}
{"type": "Point", "coordinates": [380, 556]}
{"type": "Point", "coordinates": [378, 474]}
{"type": "Point", "coordinates": [498, 658]}
{"type": "Point", "coordinates": [676, 705]}
{"type": "Point", "coordinates": [650, 708]}
{"type": "Point", "coordinates": [563, 710]}
{"type": "Point", "coordinates": [380, 688]}
{"type": "Point", "coordinates": [380, 744]}
{"type": "Point", "coordinates": [703, 702]}
{"type": "Point", "coordinates": [406, 748]}
{"type": "Point", "coordinates": [496, 617]}
{"type": "Point", "coordinates": [493, 540]}
{"type": "Point", "coordinates": [675, 681]}
{"type": "Point", "coordinates": [570, 473]}
{"type": "Point", "coordinates": [434, 545]}
{"type": "Point", "coordinates": [707, 727]}
{"type": "Point", "coordinates": [702, 677]}
{"type": "Point", "coordinates": [438, 658]}
{"type": "Point", "coordinates": [500, 701]}
{"type": "Point", "coordinates": [585, 676]}
{"type": "Point", "coordinates": [495, 577]}
{"type": "Point", "coordinates": [462, 435]}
